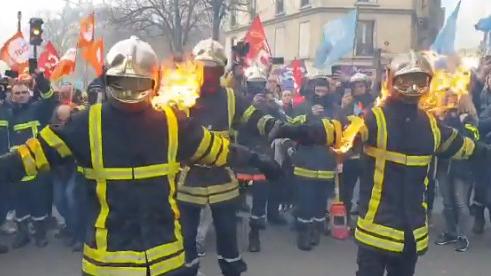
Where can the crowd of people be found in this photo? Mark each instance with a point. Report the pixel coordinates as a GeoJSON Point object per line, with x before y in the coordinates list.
{"type": "Point", "coordinates": [245, 105]}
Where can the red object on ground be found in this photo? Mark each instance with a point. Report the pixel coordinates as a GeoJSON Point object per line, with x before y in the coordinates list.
{"type": "Point", "coordinates": [339, 221]}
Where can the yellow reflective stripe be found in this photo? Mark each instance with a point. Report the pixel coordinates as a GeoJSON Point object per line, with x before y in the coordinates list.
{"type": "Point", "coordinates": [203, 145]}
{"type": "Point", "coordinates": [47, 95]}
{"type": "Point", "coordinates": [95, 137]}
{"type": "Point", "coordinates": [380, 230]}
{"type": "Point", "coordinates": [208, 190]}
{"type": "Point", "coordinates": [338, 131]}
{"type": "Point", "coordinates": [378, 242]}
{"type": "Point", "coordinates": [28, 178]}
{"type": "Point", "coordinates": [93, 269]}
{"type": "Point", "coordinates": [247, 114]}
{"type": "Point", "coordinates": [329, 131]}
{"type": "Point", "coordinates": [420, 232]}
{"type": "Point", "coordinates": [212, 155]}
{"type": "Point", "coordinates": [28, 125]}
{"type": "Point", "coordinates": [399, 158]}
{"type": "Point", "coordinates": [364, 133]}
{"type": "Point", "coordinates": [192, 199]}
{"type": "Point", "coordinates": [445, 145]}
{"type": "Point", "coordinates": [261, 124]}
{"type": "Point", "coordinates": [167, 265]}
{"type": "Point", "coordinates": [27, 160]}
{"type": "Point", "coordinates": [313, 174]}
{"type": "Point", "coordinates": [466, 150]}
{"type": "Point", "coordinates": [222, 133]}
{"type": "Point", "coordinates": [33, 125]}
{"type": "Point", "coordinates": [301, 119]}
{"type": "Point", "coordinates": [133, 257]}
{"type": "Point", "coordinates": [4, 123]}
{"type": "Point", "coordinates": [39, 156]}
{"type": "Point", "coordinates": [144, 172]}
{"type": "Point", "coordinates": [173, 143]}
{"type": "Point", "coordinates": [437, 136]}
{"type": "Point", "coordinates": [223, 156]}
{"type": "Point", "coordinates": [224, 196]}
{"type": "Point", "coordinates": [378, 177]}
{"type": "Point", "coordinates": [230, 106]}
{"type": "Point", "coordinates": [54, 141]}
{"type": "Point", "coordinates": [422, 245]}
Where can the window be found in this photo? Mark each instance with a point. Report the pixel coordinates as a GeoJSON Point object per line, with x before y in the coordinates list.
{"type": "Point", "coordinates": [367, 1]}
{"type": "Point", "coordinates": [280, 7]}
{"type": "Point", "coordinates": [304, 3]}
{"type": "Point", "coordinates": [279, 42]}
{"type": "Point", "coordinates": [364, 38]}
{"type": "Point", "coordinates": [304, 39]}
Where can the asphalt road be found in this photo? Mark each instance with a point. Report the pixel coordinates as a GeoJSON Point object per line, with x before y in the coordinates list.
{"type": "Point", "coordinates": [279, 257]}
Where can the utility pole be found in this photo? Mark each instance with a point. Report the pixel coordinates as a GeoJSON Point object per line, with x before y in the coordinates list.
{"type": "Point", "coordinates": [19, 19]}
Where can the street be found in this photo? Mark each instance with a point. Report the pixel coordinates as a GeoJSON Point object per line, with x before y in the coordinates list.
{"type": "Point", "coordinates": [279, 257]}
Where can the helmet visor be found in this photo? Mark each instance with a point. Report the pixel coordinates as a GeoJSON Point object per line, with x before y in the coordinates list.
{"type": "Point", "coordinates": [414, 84]}
{"type": "Point", "coordinates": [127, 89]}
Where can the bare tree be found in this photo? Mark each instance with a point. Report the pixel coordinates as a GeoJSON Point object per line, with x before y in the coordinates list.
{"type": "Point", "coordinates": [218, 9]}
{"type": "Point", "coordinates": [174, 19]}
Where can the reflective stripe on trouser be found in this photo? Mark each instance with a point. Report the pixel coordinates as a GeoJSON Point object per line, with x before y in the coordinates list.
{"type": "Point", "coordinates": [211, 194]}
{"type": "Point", "coordinates": [225, 227]}
{"type": "Point", "coordinates": [101, 260]}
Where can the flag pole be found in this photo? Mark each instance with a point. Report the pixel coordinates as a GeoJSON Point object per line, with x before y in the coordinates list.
{"type": "Point", "coordinates": [355, 36]}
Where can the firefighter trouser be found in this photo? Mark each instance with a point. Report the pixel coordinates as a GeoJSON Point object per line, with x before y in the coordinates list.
{"type": "Point", "coordinates": [225, 224]}
{"type": "Point", "coordinates": [264, 196]}
{"type": "Point", "coordinates": [312, 195]}
{"type": "Point", "coordinates": [352, 170]}
{"type": "Point", "coordinates": [372, 262]}
{"type": "Point", "coordinates": [32, 199]}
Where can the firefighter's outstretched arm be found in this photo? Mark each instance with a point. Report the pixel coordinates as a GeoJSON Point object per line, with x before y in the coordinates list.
{"type": "Point", "coordinates": [200, 146]}
{"type": "Point", "coordinates": [456, 146]}
{"type": "Point", "coordinates": [256, 120]}
{"type": "Point", "coordinates": [323, 133]}
{"type": "Point", "coordinates": [36, 155]}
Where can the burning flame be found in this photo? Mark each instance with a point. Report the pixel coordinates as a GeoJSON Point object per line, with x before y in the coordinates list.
{"type": "Point", "coordinates": [180, 85]}
{"type": "Point", "coordinates": [349, 135]}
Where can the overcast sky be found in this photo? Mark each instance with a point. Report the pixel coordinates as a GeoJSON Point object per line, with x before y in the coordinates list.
{"type": "Point", "coordinates": [467, 37]}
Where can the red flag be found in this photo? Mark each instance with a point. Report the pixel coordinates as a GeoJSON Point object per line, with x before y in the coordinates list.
{"type": "Point", "coordinates": [94, 55]}
{"type": "Point", "coordinates": [15, 52]}
{"type": "Point", "coordinates": [297, 81]}
{"type": "Point", "coordinates": [87, 31]}
{"type": "Point", "coordinates": [48, 59]}
{"type": "Point", "coordinates": [258, 45]}
{"type": "Point", "coordinates": [66, 66]}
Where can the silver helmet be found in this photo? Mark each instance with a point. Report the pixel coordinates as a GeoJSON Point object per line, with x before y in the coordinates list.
{"type": "Point", "coordinates": [410, 74]}
{"type": "Point", "coordinates": [210, 50]}
{"type": "Point", "coordinates": [132, 71]}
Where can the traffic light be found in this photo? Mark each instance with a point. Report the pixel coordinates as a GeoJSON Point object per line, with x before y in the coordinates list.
{"type": "Point", "coordinates": [36, 31]}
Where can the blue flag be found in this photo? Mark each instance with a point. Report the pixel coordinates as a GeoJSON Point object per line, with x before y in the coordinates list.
{"type": "Point", "coordinates": [484, 24]}
{"type": "Point", "coordinates": [444, 43]}
{"type": "Point", "coordinates": [337, 40]}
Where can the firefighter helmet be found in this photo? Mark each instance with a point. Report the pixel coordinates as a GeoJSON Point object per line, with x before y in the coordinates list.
{"type": "Point", "coordinates": [132, 71]}
{"type": "Point", "coordinates": [410, 75]}
{"type": "Point", "coordinates": [210, 50]}
{"type": "Point", "coordinates": [359, 77]}
{"type": "Point", "coordinates": [255, 79]}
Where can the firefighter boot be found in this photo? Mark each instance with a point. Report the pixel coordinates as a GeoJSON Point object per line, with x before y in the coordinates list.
{"type": "Point", "coordinates": [315, 233]}
{"type": "Point", "coordinates": [21, 238]}
{"type": "Point", "coordinates": [478, 227]}
{"type": "Point", "coordinates": [40, 233]}
{"type": "Point", "coordinates": [303, 237]}
{"type": "Point", "coordinates": [254, 241]}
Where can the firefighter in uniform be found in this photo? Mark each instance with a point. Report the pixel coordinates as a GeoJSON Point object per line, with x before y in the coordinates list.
{"type": "Point", "coordinates": [399, 141]}
{"type": "Point", "coordinates": [130, 154]}
{"type": "Point", "coordinates": [314, 165]}
{"type": "Point", "coordinates": [32, 200]}
{"type": "Point", "coordinates": [264, 194]}
{"type": "Point", "coordinates": [218, 109]}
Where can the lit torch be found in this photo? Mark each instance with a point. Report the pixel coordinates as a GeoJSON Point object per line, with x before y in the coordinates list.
{"type": "Point", "coordinates": [180, 85]}
{"type": "Point", "coordinates": [349, 135]}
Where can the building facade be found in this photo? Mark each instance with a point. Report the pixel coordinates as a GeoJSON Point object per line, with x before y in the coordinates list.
{"type": "Point", "coordinates": [294, 27]}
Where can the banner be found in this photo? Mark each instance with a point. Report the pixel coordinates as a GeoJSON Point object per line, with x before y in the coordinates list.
{"type": "Point", "coordinates": [94, 55]}
{"type": "Point", "coordinates": [48, 59]}
{"type": "Point", "coordinates": [338, 37]}
{"type": "Point", "coordinates": [87, 31]}
{"type": "Point", "coordinates": [259, 51]}
{"type": "Point", "coordinates": [66, 66]}
{"type": "Point", "coordinates": [445, 41]}
{"type": "Point", "coordinates": [15, 52]}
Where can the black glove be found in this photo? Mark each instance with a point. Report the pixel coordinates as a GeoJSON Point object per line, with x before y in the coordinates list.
{"type": "Point", "coordinates": [300, 134]}
{"type": "Point", "coordinates": [42, 84]}
{"type": "Point", "coordinates": [266, 165]}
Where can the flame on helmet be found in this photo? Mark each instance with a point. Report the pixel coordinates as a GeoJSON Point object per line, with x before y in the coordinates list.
{"type": "Point", "coordinates": [180, 85]}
